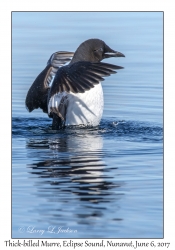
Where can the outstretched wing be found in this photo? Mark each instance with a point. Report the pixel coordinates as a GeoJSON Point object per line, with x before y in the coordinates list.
{"type": "Point", "coordinates": [38, 93]}
{"type": "Point", "coordinates": [80, 77]}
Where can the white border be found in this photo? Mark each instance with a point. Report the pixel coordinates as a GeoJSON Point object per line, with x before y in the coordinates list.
{"type": "Point", "coordinates": [169, 95]}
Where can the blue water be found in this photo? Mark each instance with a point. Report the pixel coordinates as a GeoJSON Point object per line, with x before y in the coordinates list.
{"type": "Point", "coordinates": [103, 182]}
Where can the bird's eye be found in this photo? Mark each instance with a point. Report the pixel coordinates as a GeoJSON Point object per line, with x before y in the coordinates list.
{"type": "Point", "coordinates": [100, 49]}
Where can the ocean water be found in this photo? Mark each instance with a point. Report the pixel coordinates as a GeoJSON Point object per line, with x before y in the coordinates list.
{"type": "Point", "coordinates": [102, 182]}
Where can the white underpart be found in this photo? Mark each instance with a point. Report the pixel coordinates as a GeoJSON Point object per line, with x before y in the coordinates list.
{"type": "Point", "coordinates": [82, 108]}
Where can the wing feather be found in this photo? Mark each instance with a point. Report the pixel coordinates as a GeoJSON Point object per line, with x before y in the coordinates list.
{"type": "Point", "coordinates": [80, 77]}
{"type": "Point", "coordinates": [38, 92]}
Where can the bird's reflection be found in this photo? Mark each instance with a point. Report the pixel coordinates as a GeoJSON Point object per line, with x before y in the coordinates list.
{"type": "Point", "coordinates": [73, 168]}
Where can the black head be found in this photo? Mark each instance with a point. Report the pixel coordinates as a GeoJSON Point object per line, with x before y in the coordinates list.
{"type": "Point", "coordinates": [94, 50]}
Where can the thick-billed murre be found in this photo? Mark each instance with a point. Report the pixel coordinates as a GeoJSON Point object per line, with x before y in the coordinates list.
{"type": "Point", "coordinates": [72, 94]}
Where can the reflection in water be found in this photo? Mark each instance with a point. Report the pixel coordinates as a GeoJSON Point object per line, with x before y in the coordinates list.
{"type": "Point", "coordinates": [74, 173]}
{"type": "Point", "coordinates": [74, 181]}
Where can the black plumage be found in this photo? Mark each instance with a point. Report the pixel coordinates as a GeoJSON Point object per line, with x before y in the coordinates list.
{"type": "Point", "coordinates": [37, 95]}
{"type": "Point", "coordinates": [81, 76]}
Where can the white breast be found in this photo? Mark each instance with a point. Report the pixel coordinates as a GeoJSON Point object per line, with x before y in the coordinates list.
{"type": "Point", "coordinates": [82, 108]}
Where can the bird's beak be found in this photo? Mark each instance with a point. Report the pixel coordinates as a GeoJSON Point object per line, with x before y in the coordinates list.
{"type": "Point", "coordinates": [112, 53]}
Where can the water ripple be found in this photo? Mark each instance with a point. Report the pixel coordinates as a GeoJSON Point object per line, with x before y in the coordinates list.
{"type": "Point", "coordinates": [129, 130]}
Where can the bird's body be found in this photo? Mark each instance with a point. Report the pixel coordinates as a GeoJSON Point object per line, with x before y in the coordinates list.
{"type": "Point", "coordinates": [80, 108]}
{"type": "Point", "coordinates": [74, 92]}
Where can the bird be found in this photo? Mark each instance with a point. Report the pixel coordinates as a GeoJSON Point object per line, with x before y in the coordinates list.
{"type": "Point", "coordinates": [69, 89]}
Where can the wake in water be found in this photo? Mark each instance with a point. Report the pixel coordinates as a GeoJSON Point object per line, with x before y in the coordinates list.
{"type": "Point", "coordinates": [128, 130]}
